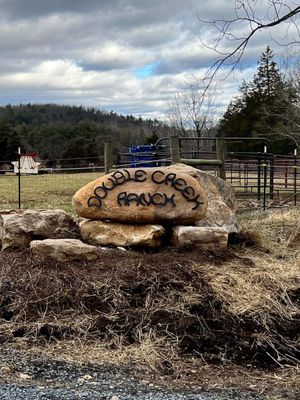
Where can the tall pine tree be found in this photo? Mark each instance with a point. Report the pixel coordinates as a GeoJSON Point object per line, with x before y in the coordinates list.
{"type": "Point", "coordinates": [252, 113]}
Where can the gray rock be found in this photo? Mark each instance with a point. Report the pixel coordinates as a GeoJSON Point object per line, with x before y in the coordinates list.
{"type": "Point", "coordinates": [208, 238]}
{"type": "Point", "coordinates": [19, 228]}
{"type": "Point", "coordinates": [64, 249]}
{"type": "Point", "coordinates": [219, 215]}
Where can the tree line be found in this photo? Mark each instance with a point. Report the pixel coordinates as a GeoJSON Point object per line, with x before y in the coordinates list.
{"type": "Point", "coordinates": [61, 132]}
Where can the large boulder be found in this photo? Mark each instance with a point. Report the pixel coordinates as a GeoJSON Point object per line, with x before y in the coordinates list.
{"type": "Point", "coordinates": [151, 195]}
{"type": "Point", "coordinates": [64, 249]}
{"type": "Point", "coordinates": [206, 238]}
{"type": "Point", "coordinates": [19, 228]}
{"type": "Point", "coordinates": [117, 234]}
{"type": "Point", "coordinates": [220, 195]}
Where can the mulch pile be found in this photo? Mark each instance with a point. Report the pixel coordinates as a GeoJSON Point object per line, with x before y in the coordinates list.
{"type": "Point", "coordinates": [226, 307]}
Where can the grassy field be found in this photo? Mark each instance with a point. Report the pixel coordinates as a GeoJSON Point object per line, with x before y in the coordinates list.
{"type": "Point", "coordinates": [43, 191]}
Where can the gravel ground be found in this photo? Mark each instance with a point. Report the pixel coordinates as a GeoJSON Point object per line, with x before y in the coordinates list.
{"type": "Point", "coordinates": [14, 392]}
{"type": "Point", "coordinates": [34, 378]}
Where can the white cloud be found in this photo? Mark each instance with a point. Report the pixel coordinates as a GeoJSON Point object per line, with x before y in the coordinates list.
{"type": "Point", "coordinates": [95, 52]}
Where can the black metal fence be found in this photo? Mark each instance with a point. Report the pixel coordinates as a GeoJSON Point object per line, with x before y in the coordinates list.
{"type": "Point", "coordinates": [264, 176]}
{"type": "Point", "coordinates": [261, 175]}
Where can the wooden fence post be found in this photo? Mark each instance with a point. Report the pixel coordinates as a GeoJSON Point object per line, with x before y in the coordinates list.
{"type": "Point", "coordinates": [220, 150]}
{"type": "Point", "coordinates": [108, 156]}
{"type": "Point", "coordinates": [175, 149]}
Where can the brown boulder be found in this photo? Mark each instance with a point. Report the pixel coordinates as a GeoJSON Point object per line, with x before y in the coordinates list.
{"type": "Point", "coordinates": [150, 195]}
{"type": "Point", "coordinates": [116, 234]}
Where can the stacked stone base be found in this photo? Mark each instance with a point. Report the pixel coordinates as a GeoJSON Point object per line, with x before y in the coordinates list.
{"type": "Point", "coordinates": [55, 234]}
{"type": "Point", "coordinates": [127, 235]}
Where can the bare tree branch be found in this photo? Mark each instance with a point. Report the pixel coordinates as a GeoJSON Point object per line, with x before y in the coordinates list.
{"type": "Point", "coordinates": [247, 16]}
{"type": "Point", "coordinates": [192, 110]}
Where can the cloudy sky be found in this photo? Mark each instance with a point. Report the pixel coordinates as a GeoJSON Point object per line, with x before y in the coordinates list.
{"type": "Point", "coordinates": [130, 56]}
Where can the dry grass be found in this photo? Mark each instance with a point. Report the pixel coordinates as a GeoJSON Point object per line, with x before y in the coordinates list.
{"type": "Point", "coordinates": [260, 291]}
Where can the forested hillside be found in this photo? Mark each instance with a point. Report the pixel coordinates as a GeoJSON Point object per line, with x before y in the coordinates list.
{"type": "Point", "coordinates": [57, 131]}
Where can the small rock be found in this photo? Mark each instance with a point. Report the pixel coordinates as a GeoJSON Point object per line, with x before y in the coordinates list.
{"type": "Point", "coordinates": [87, 377]}
{"type": "Point", "coordinates": [25, 377]}
{"type": "Point", "coordinates": [121, 248]}
{"type": "Point", "coordinates": [207, 238]}
{"type": "Point", "coordinates": [5, 370]}
{"type": "Point", "coordinates": [115, 398]}
{"type": "Point", "coordinates": [18, 228]}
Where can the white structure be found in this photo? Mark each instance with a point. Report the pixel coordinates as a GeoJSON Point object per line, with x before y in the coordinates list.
{"type": "Point", "coordinates": [27, 165]}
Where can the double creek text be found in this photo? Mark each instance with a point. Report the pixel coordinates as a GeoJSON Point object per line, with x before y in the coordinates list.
{"type": "Point", "coordinates": [160, 199]}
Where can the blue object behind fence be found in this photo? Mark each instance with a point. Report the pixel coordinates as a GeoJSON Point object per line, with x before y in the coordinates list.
{"type": "Point", "coordinates": [143, 156]}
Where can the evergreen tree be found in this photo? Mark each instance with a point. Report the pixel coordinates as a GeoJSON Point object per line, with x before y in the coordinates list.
{"type": "Point", "coordinates": [9, 142]}
{"type": "Point", "coordinates": [268, 79]}
{"type": "Point", "coordinates": [253, 112]}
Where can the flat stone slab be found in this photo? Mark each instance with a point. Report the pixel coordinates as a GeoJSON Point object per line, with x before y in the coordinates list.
{"type": "Point", "coordinates": [208, 238]}
{"type": "Point", "coordinates": [150, 195]}
{"type": "Point", "coordinates": [117, 234]}
{"type": "Point", "coordinates": [64, 249]}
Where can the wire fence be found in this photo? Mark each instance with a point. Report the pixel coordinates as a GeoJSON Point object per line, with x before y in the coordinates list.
{"type": "Point", "coordinates": [53, 188]}
{"type": "Point", "coordinates": [266, 177]}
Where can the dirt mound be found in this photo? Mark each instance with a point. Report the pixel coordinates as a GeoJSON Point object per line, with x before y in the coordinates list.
{"type": "Point", "coordinates": [226, 307]}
